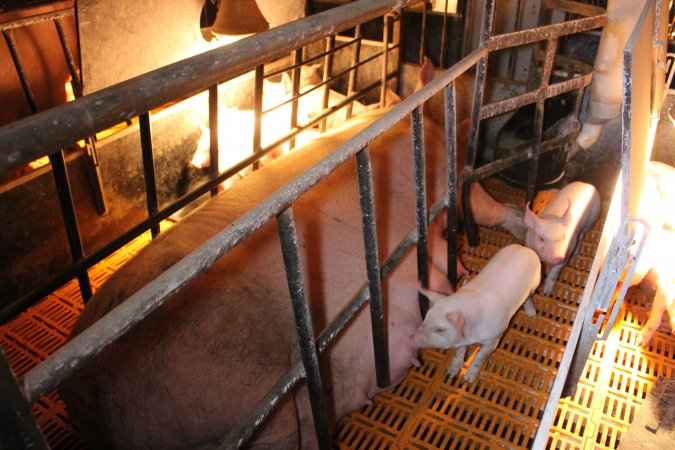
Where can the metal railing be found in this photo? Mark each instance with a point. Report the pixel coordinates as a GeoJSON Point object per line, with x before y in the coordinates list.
{"type": "Point", "coordinates": [621, 243]}
{"type": "Point", "coordinates": [51, 130]}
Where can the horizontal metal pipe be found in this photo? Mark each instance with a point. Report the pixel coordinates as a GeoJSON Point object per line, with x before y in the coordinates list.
{"type": "Point", "coordinates": [24, 22]}
{"type": "Point", "coordinates": [532, 35]}
{"type": "Point", "coordinates": [575, 7]}
{"type": "Point", "coordinates": [44, 133]}
{"type": "Point", "coordinates": [43, 378]}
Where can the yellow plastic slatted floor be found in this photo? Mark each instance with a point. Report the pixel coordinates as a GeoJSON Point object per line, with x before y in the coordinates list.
{"type": "Point", "coordinates": [501, 409]}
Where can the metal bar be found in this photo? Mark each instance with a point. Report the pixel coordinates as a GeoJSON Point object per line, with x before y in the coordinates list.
{"type": "Point", "coordinates": [373, 267]}
{"type": "Point", "coordinates": [44, 377]}
{"type": "Point", "coordinates": [417, 128]}
{"type": "Point", "coordinates": [327, 70]}
{"type": "Point", "coordinates": [353, 68]}
{"type": "Point", "coordinates": [524, 37]}
{"type": "Point", "coordinates": [91, 160]}
{"type": "Point", "coordinates": [471, 153]}
{"type": "Point", "coordinates": [257, 120]}
{"type": "Point", "coordinates": [70, 218]}
{"type": "Point", "coordinates": [575, 7]}
{"type": "Point", "coordinates": [70, 62]}
{"type": "Point", "coordinates": [509, 104]}
{"type": "Point", "coordinates": [423, 32]}
{"type": "Point", "coordinates": [451, 168]}
{"type": "Point", "coordinates": [18, 428]}
{"type": "Point", "coordinates": [303, 325]}
{"type": "Point", "coordinates": [58, 127]}
{"type": "Point", "coordinates": [538, 130]}
{"type": "Point", "coordinates": [536, 147]}
{"type": "Point", "coordinates": [26, 21]}
{"type": "Point", "coordinates": [295, 77]}
{"type": "Point", "coordinates": [30, 98]}
{"type": "Point", "coordinates": [214, 153]}
{"type": "Point", "coordinates": [149, 169]}
{"type": "Point", "coordinates": [385, 60]}
{"type": "Point", "coordinates": [441, 57]}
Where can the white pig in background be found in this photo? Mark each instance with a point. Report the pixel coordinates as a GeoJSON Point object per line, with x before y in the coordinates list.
{"type": "Point", "coordinates": [480, 311]}
{"type": "Point", "coordinates": [558, 232]}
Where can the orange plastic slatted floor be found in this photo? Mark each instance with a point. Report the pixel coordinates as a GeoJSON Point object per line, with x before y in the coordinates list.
{"type": "Point", "coordinates": [426, 410]}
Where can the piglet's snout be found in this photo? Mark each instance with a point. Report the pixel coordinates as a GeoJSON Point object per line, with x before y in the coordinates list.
{"type": "Point", "coordinates": [416, 340]}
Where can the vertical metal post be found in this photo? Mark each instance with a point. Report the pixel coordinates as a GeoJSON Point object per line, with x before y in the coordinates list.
{"type": "Point", "coordinates": [295, 77]}
{"type": "Point", "coordinates": [303, 323]}
{"type": "Point", "coordinates": [451, 167]}
{"type": "Point", "coordinates": [18, 428]}
{"type": "Point", "coordinates": [417, 127]}
{"type": "Point", "coordinates": [373, 267]}
{"type": "Point", "coordinates": [58, 163]}
{"type": "Point", "coordinates": [539, 119]}
{"type": "Point", "coordinates": [356, 56]}
{"type": "Point", "coordinates": [11, 46]}
{"type": "Point", "coordinates": [441, 57]}
{"type": "Point", "coordinates": [423, 32]}
{"type": "Point", "coordinates": [257, 120]}
{"type": "Point", "coordinates": [481, 73]}
{"type": "Point", "coordinates": [149, 169]}
{"type": "Point", "coordinates": [91, 160]}
{"type": "Point", "coordinates": [214, 157]}
{"type": "Point", "coordinates": [385, 59]}
{"type": "Point", "coordinates": [327, 70]}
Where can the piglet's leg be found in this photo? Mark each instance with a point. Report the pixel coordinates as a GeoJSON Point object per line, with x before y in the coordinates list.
{"type": "Point", "coordinates": [654, 322]}
{"type": "Point", "coordinates": [552, 277]}
{"type": "Point", "coordinates": [529, 308]}
{"type": "Point", "coordinates": [478, 360]}
{"type": "Point", "coordinates": [457, 362]}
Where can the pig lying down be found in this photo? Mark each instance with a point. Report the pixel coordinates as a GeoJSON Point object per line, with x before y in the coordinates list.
{"type": "Point", "coordinates": [196, 367]}
{"type": "Point", "coordinates": [556, 235]}
{"type": "Point", "coordinates": [480, 311]}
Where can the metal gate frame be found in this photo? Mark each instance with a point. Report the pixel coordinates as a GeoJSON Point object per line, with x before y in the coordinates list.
{"type": "Point", "coordinates": [51, 130]}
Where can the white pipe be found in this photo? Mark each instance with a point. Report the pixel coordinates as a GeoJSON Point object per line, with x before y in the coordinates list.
{"type": "Point", "coordinates": [606, 89]}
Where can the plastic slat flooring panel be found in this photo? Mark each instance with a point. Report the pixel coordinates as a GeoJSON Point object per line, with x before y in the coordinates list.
{"type": "Point", "coordinates": [501, 409]}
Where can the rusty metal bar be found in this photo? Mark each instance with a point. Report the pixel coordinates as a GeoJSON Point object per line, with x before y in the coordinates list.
{"type": "Point", "coordinates": [257, 121]}
{"type": "Point", "coordinates": [327, 70]}
{"type": "Point", "coordinates": [417, 129]}
{"type": "Point", "coordinates": [303, 325]}
{"type": "Point", "coordinates": [423, 32]}
{"type": "Point", "coordinates": [16, 59]}
{"type": "Point", "coordinates": [353, 67]}
{"type": "Point", "coordinates": [533, 35]}
{"type": "Point", "coordinates": [295, 79]}
{"type": "Point", "coordinates": [451, 168]}
{"type": "Point", "coordinates": [149, 169]}
{"type": "Point", "coordinates": [385, 60]}
{"type": "Point", "coordinates": [509, 104]}
{"type": "Point", "coordinates": [367, 201]}
{"type": "Point", "coordinates": [46, 376]}
{"type": "Point", "coordinates": [214, 157]}
{"type": "Point", "coordinates": [582, 9]}
{"type": "Point", "coordinates": [26, 21]}
{"type": "Point", "coordinates": [58, 127]}
{"type": "Point", "coordinates": [65, 196]}
{"type": "Point", "coordinates": [479, 90]}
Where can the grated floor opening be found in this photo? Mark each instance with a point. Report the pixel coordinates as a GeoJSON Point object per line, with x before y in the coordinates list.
{"type": "Point", "coordinates": [502, 408]}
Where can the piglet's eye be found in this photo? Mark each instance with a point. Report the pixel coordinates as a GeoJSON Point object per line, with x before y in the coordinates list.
{"type": "Point", "coordinates": [439, 330]}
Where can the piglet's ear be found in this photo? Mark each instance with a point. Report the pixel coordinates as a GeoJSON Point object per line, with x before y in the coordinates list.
{"type": "Point", "coordinates": [566, 218]}
{"type": "Point", "coordinates": [531, 219]}
{"type": "Point", "coordinates": [456, 319]}
{"type": "Point", "coordinates": [432, 296]}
